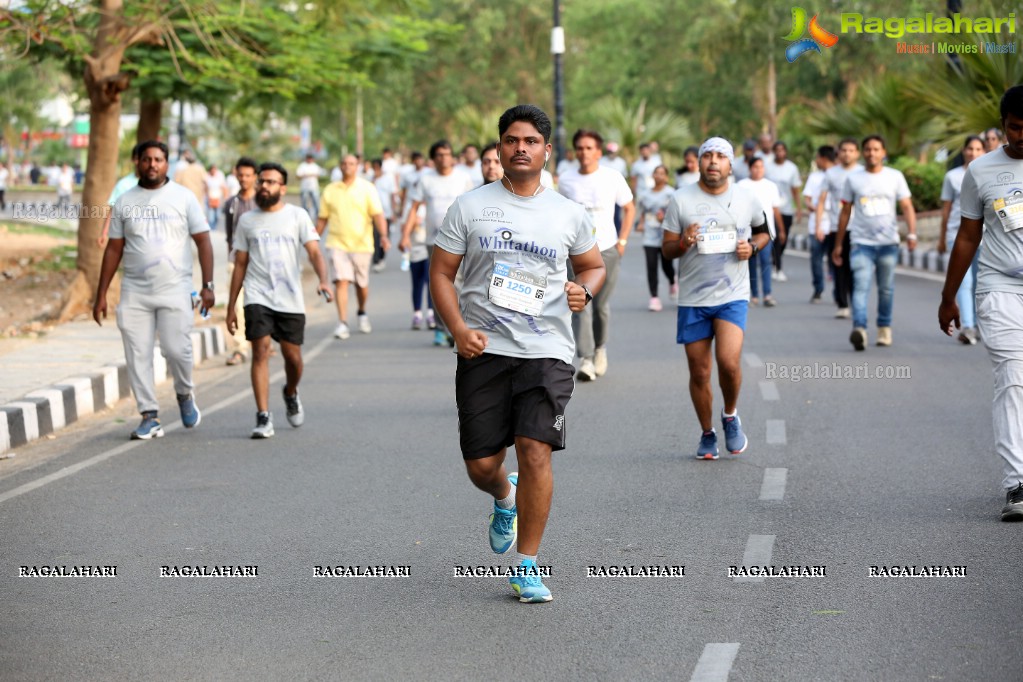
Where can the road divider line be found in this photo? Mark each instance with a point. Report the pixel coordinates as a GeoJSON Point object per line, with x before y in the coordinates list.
{"type": "Point", "coordinates": [758, 553]}
{"type": "Point", "coordinates": [769, 390]}
{"type": "Point", "coordinates": [131, 445]}
{"type": "Point", "coordinates": [715, 662]}
{"type": "Point", "coordinates": [773, 487]}
{"type": "Point", "coordinates": [753, 360]}
{"type": "Point", "coordinates": [776, 432]}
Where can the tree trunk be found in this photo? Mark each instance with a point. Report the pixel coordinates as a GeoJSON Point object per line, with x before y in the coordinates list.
{"type": "Point", "coordinates": [104, 83]}
{"type": "Point", "coordinates": [150, 119]}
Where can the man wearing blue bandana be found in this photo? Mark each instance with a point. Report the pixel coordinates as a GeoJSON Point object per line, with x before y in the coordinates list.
{"type": "Point", "coordinates": [714, 227]}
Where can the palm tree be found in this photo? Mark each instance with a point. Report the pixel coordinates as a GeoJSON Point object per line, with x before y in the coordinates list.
{"type": "Point", "coordinates": [629, 127]}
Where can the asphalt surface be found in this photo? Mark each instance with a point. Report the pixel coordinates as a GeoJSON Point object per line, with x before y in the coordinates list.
{"type": "Point", "coordinates": [876, 472]}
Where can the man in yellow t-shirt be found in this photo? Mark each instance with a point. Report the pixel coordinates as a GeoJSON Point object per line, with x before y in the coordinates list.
{"type": "Point", "coordinates": [351, 208]}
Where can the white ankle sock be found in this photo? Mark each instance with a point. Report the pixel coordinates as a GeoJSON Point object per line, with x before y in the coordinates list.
{"type": "Point", "coordinates": [725, 414]}
{"type": "Point", "coordinates": [519, 558]}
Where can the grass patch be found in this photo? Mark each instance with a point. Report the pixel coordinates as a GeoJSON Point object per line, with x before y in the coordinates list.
{"type": "Point", "coordinates": [61, 259]}
{"type": "Point", "coordinates": [35, 229]}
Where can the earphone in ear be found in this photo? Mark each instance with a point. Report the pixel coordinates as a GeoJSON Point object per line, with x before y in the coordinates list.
{"type": "Point", "coordinates": [546, 157]}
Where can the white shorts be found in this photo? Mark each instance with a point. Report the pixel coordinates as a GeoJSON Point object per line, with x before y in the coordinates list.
{"type": "Point", "coordinates": [349, 267]}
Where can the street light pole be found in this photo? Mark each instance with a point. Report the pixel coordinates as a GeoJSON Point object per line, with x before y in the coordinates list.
{"type": "Point", "coordinates": [558, 49]}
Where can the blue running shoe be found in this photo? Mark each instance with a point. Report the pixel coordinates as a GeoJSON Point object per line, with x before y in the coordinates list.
{"type": "Point", "coordinates": [190, 414]}
{"type": "Point", "coordinates": [708, 446]}
{"type": "Point", "coordinates": [735, 439]}
{"type": "Point", "coordinates": [439, 338]}
{"type": "Point", "coordinates": [149, 428]}
{"type": "Point", "coordinates": [528, 585]}
{"type": "Point", "coordinates": [504, 524]}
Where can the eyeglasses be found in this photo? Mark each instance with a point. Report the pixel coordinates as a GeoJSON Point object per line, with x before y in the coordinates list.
{"type": "Point", "coordinates": [262, 181]}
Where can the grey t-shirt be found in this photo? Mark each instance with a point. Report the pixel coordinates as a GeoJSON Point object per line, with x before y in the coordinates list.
{"type": "Point", "coordinates": [875, 198]}
{"type": "Point", "coordinates": [834, 181]}
{"type": "Point", "coordinates": [712, 279]}
{"type": "Point", "coordinates": [951, 187]}
{"type": "Point", "coordinates": [527, 240]}
{"type": "Point", "coordinates": [274, 241]}
{"type": "Point", "coordinates": [786, 176]}
{"type": "Point", "coordinates": [649, 204]}
{"type": "Point", "coordinates": [438, 192]}
{"type": "Point", "coordinates": [993, 190]}
{"type": "Point", "coordinates": [156, 226]}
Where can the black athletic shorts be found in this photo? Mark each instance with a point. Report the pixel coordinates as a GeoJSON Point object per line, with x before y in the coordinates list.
{"type": "Point", "coordinates": [501, 397]}
{"type": "Point", "coordinates": [261, 321]}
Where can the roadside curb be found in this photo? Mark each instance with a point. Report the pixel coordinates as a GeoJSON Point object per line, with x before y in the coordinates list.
{"type": "Point", "coordinates": [46, 410]}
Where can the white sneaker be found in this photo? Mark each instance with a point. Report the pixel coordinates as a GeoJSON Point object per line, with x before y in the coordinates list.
{"type": "Point", "coordinates": [379, 267]}
{"type": "Point", "coordinates": [655, 305]}
{"type": "Point", "coordinates": [781, 276]}
{"type": "Point", "coordinates": [600, 362]}
{"type": "Point", "coordinates": [342, 332]}
{"type": "Point", "coordinates": [586, 370]}
{"type": "Point", "coordinates": [264, 426]}
{"type": "Point", "coordinates": [364, 325]}
{"type": "Point", "coordinates": [843, 314]}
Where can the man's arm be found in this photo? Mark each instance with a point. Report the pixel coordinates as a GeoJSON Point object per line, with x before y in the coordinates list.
{"type": "Point", "coordinates": [843, 223]}
{"type": "Point", "coordinates": [821, 198]}
{"type": "Point", "coordinates": [967, 242]}
{"type": "Point", "coordinates": [320, 266]}
{"type": "Point", "coordinates": [628, 213]}
{"type": "Point", "coordinates": [589, 272]}
{"type": "Point", "coordinates": [909, 213]}
{"type": "Point", "coordinates": [205, 247]}
{"type": "Point", "coordinates": [779, 226]}
{"type": "Point", "coordinates": [443, 266]}
{"type": "Point", "coordinates": [111, 259]}
{"type": "Point", "coordinates": [321, 225]}
{"type": "Point", "coordinates": [796, 203]}
{"type": "Point", "coordinates": [410, 222]}
{"type": "Point", "coordinates": [241, 265]}
{"type": "Point", "coordinates": [381, 226]}
{"type": "Point", "coordinates": [946, 211]}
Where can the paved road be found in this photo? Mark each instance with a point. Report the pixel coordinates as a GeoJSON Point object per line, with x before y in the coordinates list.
{"type": "Point", "coordinates": [863, 472]}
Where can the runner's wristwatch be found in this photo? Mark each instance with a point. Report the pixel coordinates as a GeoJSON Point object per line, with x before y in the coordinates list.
{"type": "Point", "coordinates": [208, 285]}
{"type": "Point", "coordinates": [589, 296]}
{"type": "Point", "coordinates": [756, 249]}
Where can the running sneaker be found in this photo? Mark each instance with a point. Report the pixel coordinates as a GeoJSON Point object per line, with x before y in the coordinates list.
{"type": "Point", "coordinates": [364, 325]}
{"type": "Point", "coordinates": [816, 298]}
{"type": "Point", "coordinates": [417, 320]}
{"type": "Point", "coordinates": [968, 336]}
{"type": "Point", "coordinates": [600, 361]}
{"type": "Point", "coordinates": [587, 372]}
{"type": "Point", "coordinates": [504, 524]}
{"type": "Point", "coordinates": [190, 414]}
{"type": "Point", "coordinates": [708, 446]}
{"type": "Point", "coordinates": [842, 314]}
{"type": "Point", "coordinates": [781, 276]}
{"type": "Point", "coordinates": [753, 302]}
{"type": "Point", "coordinates": [379, 267]}
{"type": "Point", "coordinates": [293, 407]}
{"type": "Point", "coordinates": [655, 305]}
{"type": "Point", "coordinates": [735, 439]}
{"type": "Point", "coordinates": [527, 584]}
{"type": "Point", "coordinates": [884, 336]}
{"type": "Point", "coordinates": [769, 302]}
{"type": "Point", "coordinates": [858, 338]}
{"type": "Point", "coordinates": [439, 337]}
{"type": "Point", "coordinates": [264, 426]}
{"type": "Point", "coordinates": [1013, 509]}
{"type": "Point", "coordinates": [431, 321]}
{"type": "Point", "coordinates": [148, 428]}
{"type": "Point", "coordinates": [342, 331]}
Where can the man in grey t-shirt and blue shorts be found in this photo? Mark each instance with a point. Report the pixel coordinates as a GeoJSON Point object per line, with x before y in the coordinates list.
{"type": "Point", "coordinates": [512, 328]}
{"type": "Point", "coordinates": [714, 228]}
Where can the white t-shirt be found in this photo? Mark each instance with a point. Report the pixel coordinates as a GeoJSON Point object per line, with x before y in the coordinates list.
{"type": "Point", "coordinates": [65, 181]}
{"type": "Point", "coordinates": [740, 169]}
{"type": "Point", "coordinates": [438, 192]}
{"type": "Point", "coordinates": [598, 192]}
{"type": "Point", "coordinates": [687, 178]}
{"type": "Point", "coordinates": [992, 190]}
{"type": "Point", "coordinates": [786, 176]}
{"type": "Point", "coordinates": [309, 173]}
{"type": "Point", "coordinates": [643, 170]}
{"type": "Point", "coordinates": [498, 232]}
{"type": "Point", "coordinates": [769, 197]}
{"type": "Point", "coordinates": [156, 226]}
{"type": "Point", "coordinates": [216, 186]}
{"type": "Point", "coordinates": [386, 189]}
{"type": "Point", "coordinates": [812, 190]}
{"type": "Point", "coordinates": [233, 186]}
{"type": "Point", "coordinates": [649, 205]}
{"type": "Point", "coordinates": [617, 163]}
{"type": "Point", "coordinates": [951, 188]}
{"type": "Point", "coordinates": [4, 174]}
{"type": "Point", "coordinates": [336, 174]}
{"type": "Point", "coordinates": [566, 165]}
{"type": "Point", "coordinates": [274, 241]}
{"type": "Point", "coordinates": [475, 172]}
{"type": "Point", "coordinates": [719, 278]}
{"type": "Point", "coordinates": [875, 198]}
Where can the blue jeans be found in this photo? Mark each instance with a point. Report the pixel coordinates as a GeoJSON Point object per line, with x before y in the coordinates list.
{"type": "Point", "coordinates": [967, 294]}
{"type": "Point", "coordinates": [864, 260]}
{"type": "Point", "coordinates": [760, 271]}
{"type": "Point", "coordinates": [817, 255]}
{"type": "Point", "coordinates": [311, 203]}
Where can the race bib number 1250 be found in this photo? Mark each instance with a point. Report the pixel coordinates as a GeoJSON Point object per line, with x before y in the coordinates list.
{"type": "Point", "coordinates": [517, 290]}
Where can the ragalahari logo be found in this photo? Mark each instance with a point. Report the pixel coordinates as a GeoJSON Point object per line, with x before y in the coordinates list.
{"type": "Point", "coordinates": [818, 36]}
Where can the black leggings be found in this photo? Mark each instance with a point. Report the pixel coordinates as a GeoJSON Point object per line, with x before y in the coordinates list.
{"type": "Point", "coordinates": [652, 254]}
{"type": "Point", "coordinates": [779, 248]}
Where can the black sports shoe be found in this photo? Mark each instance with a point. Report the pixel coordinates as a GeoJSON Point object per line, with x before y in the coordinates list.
{"type": "Point", "coordinates": [1013, 509]}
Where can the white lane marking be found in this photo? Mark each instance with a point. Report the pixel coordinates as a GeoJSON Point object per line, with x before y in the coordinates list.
{"type": "Point", "coordinates": [773, 487]}
{"type": "Point", "coordinates": [753, 360]}
{"type": "Point", "coordinates": [715, 662]}
{"type": "Point", "coordinates": [776, 432]}
{"type": "Point", "coordinates": [758, 553]}
{"type": "Point", "coordinates": [131, 445]}
{"type": "Point", "coordinates": [769, 390]}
